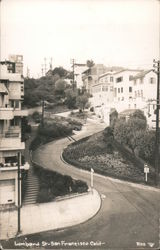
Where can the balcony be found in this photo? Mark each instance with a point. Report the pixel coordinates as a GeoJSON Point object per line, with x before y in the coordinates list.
{"type": "Point", "coordinates": [11, 143]}
{"type": "Point", "coordinates": [6, 113]}
{"type": "Point", "coordinates": [20, 112]}
{"type": "Point", "coordinates": [13, 166]}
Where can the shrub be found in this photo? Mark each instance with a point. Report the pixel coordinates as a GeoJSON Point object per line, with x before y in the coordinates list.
{"type": "Point", "coordinates": [79, 186]}
{"type": "Point", "coordinates": [53, 184]}
{"type": "Point", "coordinates": [92, 109]}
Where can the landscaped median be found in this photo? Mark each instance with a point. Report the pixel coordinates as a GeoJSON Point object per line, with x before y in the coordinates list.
{"type": "Point", "coordinates": [106, 157]}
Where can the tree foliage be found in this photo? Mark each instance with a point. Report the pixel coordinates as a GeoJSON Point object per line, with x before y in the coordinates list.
{"type": "Point", "coordinates": [60, 71]}
{"type": "Point", "coordinates": [90, 63]}
{"type": "Point", "coordinates": [82, 101]}
{"type": "Point", "coordinates": [129, 132]}
{"type": "Point", "coordinates": [70, 98]}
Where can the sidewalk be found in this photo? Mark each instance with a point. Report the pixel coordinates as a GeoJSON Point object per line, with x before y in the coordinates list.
{"type": "Point", "coordinates": [50, 216]}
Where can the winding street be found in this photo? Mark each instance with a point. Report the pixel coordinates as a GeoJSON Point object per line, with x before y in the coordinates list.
{"type": "Point", "coordinates": [129, 215]}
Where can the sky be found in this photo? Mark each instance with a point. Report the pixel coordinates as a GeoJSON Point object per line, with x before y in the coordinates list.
{"type": "Point", "coordinates": [112, 32]}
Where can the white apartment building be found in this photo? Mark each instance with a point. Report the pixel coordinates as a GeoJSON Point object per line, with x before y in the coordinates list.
{"type": "Point", "coordinates": [145, 92]}
{"type": "Point", "coordinates": [125, 90]}
{"type": "Point", "coordinates": [90, 76]}
{"type": "Point", "coordinates": [11, 95]}
{"type": "Point", "coordinates": [103, 95]}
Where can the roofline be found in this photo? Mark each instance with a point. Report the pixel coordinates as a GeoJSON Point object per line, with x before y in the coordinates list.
{"type": "Point", "coordinates": [128, 70]}
{"type": "Point", "coordinates": [145, 73]}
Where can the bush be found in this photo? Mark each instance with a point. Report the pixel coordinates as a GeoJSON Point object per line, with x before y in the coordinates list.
{"type": "Point", "coordinates": [36, 116]}
{"type": "Point", "coordinates": [80, 186]}
{"type": "Point", "coordinates": [92, 109]}
{"type": "Point", "coordinates": [53, 184]}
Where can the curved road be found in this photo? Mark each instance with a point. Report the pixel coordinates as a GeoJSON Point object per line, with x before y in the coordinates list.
{"type": "Point", "coordinates": [129, 216]}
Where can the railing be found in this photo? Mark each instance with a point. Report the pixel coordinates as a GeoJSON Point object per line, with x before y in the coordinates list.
{"type": "Point", "coordinates": [13, 166]}
{"type": "Point", "coordinates": [5, 165]}
{"type": "Point", "coordinates": [10, 134]}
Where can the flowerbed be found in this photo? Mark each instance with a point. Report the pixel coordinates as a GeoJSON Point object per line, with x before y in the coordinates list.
{"type": "Point", "coordinates": [92, 153]}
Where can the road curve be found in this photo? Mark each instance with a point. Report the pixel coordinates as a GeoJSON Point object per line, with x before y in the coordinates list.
{"type": "Point", "coordinates": [129, 216]}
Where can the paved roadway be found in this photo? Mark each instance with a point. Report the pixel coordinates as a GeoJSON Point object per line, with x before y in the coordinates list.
{"type": "Point", "coordinates": [129, 215]}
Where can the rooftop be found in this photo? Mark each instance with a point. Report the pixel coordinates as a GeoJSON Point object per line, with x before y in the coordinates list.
{"type": "Point", "coordinates": [142, 74]}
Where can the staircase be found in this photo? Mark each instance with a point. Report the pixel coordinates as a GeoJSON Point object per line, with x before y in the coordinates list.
{"type": "Point", "coordinates": [32, 188]}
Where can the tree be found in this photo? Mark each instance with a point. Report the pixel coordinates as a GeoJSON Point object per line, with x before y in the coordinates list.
{"type": "Point", "coordinates": [130, 132]}
{"type": "Point", "coordinates": [70, 98]}
{"type": "Point", "coordinates": [60, 86]}
{"type": "Point", "coordinates": [113, 118]}
{"type": "Point", "coordinates": [146, 146]}
{"type": "Point", "coordinates": [138, 114]}
{"type": "Point", "coordinates": [82, 101]}
{"type": "Point", "coordinates": [60, 71]}
{"type": "Point", "coordinates": [120, 131]}
{"type": "Point", "coordinates": [90, 63]}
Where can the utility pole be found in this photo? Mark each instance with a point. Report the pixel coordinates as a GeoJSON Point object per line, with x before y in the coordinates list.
{"type": "Point", "coordinates": [42, 119]}
{"type": "Point", "coordinates": [19, 198]}
{"type": "Point", "coordinates": [51, 64]}
{"type": "Point", "coordinates": [73, 66]}
{"type": "Point", "coordinates": [45, 66]}
{"type": "Point", "coordinates": [42, 69]}
{"type": "Point", "coordinates": [157, 163]}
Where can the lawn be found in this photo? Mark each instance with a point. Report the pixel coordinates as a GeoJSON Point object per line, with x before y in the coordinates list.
{"type": "Point", "coordinates": [92, 153]}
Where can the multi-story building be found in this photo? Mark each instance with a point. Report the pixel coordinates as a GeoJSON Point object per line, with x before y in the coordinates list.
{"type": "Point", "coordinates": [11, 95]}
{"type": "Point", "coordinates": [90, 76]}
{"type": "Point", "coordinates": [123, 89]}
{"type": "Point", "coordinates": [145, 91]}
{"type": "Point", "coordinates": [103, 95]}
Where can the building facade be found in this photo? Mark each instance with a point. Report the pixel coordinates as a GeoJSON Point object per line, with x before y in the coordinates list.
{"type": "Point", "coordinates": [125, 90]}
{"type": "Point", "coordinates": [11, 96]}
{"type": "Point", "coordinates": [90, 76]}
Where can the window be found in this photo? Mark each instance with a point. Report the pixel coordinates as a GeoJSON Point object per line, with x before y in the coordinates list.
{"type": "Point", "coordinates": [135, 82]}
{"type": "Point", "coordinates": [121, 90]}
{"type": "Point", "coordinates": [14, 122]}
{"type": "Point", "coordinates": [122, 99]}
{"type": "Point", "coordinates": [111, 88]}
{"type": "Point", "coordinates": [135, 93]}
{"type": "Point", "coordinates": [141, 80]}
{"type": "Point", "coordinates": [152, 80]}
{"type": "Point", "coordinates": [119, 79]}
{"type": "Point", "coordinates": [14, 103]}
{"type": "Point", "coordinates": [115, 92]}
{"type": "Point", "coordinates": [130, 78]}
{"type": "Point", "coordinates": [141, 93]}
{"type": "Point", "coordinates": [135, 106]}
{"type": "Point", "coordinates": [118, 90]}
{"type": "Point", "coordinates": [111, 79]}
{"type": "Point", "coordinates": [130, 89]}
